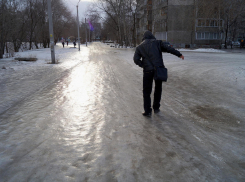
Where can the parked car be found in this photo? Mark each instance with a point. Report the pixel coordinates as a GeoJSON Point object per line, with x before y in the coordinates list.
{"type": "Point", "coordinates": [229, 43]}
{"type": "Point", "coordinates": [109, 41]}
{"type": "Point", "coordinates": [237, 43]}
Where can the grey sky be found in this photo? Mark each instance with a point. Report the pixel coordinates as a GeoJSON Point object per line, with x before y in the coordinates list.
{"type": "Point", "coordinates": [82, 6]}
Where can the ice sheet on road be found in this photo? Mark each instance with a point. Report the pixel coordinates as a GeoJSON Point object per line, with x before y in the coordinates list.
{"type": "Point", "coordinates": [81, 120]}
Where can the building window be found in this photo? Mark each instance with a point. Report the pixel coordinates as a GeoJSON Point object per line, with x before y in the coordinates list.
{"type": "Point", "coordinates": [215, 36]}
{"type": "Point", "coordinates": [199, 36]}
{"type": "Point", "coordinates": [209, 23]}
{"type": "Point", "coordinates": [207, 36]}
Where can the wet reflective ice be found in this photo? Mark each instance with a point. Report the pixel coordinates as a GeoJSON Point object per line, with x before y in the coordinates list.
{"type": "Point", "coordinates": [81, 120]}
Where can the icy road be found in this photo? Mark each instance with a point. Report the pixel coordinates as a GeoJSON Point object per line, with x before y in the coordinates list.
{"type": "Point", "coordinates": [80, 120]}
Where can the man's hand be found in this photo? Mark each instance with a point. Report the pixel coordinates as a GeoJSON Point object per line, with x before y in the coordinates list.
{"type": "Point", "coordinates": [182, 57]}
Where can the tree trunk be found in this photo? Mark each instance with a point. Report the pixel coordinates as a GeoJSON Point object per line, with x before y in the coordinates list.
{"type": "Point", "coordinates": [15, 46]}
{"type": "Point", "coordinates": [2, 42]}
{"type": "Point", "coordinates": [44, 44]}
{"type": "Point", "coordinates": [226, 34]}
{"type": "Point", "coordinates": [134, 36]}
{"type": "Point", "coordinates": [7, 50]}
{"type": "Point", "coordinates": [1, 55]}
{"type": "Point", "coordinates": [1, 49]}
{"type": "Point", "coordinates": [124, 26]}
{"type": "Point", "coordinates": [36, 44]}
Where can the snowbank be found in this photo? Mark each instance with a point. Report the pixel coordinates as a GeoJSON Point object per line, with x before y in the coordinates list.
{"type": "Point", "coordinates": [202, 50]}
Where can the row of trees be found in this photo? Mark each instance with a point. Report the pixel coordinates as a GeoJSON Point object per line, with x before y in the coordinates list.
{"type": "Point", "coordinates": [118, 19]}
{"type": "Point", "coordinates": [27, 21]}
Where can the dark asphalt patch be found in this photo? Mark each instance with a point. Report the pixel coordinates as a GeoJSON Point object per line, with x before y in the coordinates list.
{"type": "Point", "coordinates": [217, 115]}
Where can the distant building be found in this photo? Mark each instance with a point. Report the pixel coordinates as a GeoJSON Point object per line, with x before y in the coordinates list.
{"type": "Point", "coordinates": [96, 33]}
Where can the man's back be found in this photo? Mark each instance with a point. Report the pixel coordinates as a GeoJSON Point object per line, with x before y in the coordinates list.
{"type": "Point", "coordinates": [150, 50]}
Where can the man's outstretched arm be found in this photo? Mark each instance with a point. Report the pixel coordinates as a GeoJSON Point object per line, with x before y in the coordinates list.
{"type": "Point", "coordinates": [169, 49]}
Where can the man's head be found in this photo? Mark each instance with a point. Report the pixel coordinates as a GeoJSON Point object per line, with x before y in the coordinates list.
{"type": "Point", "coordinates": [148, 35]}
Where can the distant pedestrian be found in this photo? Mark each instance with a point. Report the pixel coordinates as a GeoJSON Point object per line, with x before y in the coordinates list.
{"type": "Point", "coordinates": [67, 42]}
{"type": "Point", "coordinates": [63, 42]}
{"type": "Point", "coordinates": [148, 55]}
{"type": "Point", "coordinates": [74, 43]}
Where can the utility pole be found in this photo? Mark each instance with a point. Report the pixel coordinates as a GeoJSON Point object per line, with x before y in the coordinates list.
{"type": "Point", "coordinates": [2, 28]}
{"type": "Point", "coordinates": [86, 31]}
{"type": "Point", "coordinates": [78, 28]}
{"type": "Point", "coordinates": [51, 32]}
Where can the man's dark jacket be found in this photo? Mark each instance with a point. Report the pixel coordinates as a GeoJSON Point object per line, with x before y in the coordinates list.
{"type": "Point", "coordinates": [153, 48]}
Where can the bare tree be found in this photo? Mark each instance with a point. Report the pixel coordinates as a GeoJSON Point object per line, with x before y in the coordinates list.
{"type": "Point", "coordinates": [27, 21]}
{"type": "Point", "coordinates": [232, 13]}
{"type": "Point", "coordinates": [119, 16]}
{"type": "Point", "coordinates": [61, 18]}
{"type": "Point", "coordinates": [4, 25]}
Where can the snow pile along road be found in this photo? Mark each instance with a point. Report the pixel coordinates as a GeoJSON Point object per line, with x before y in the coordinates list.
{"type": "Point", "coordinates": [202, 50]}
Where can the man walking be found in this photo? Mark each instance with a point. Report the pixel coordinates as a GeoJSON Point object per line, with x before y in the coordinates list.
{"type": "Point", "coordinates": [63, 41]}
{"type": "Point", "coordinates": [150, 50]}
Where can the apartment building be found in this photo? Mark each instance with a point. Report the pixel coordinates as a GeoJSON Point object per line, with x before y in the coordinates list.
{"type": "Point", "coordinates": [180, 22]}
{"type": "Point", "coordinates": [143, 18]}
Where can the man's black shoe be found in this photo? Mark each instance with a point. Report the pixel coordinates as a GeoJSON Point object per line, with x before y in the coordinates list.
{"type": "Point", "coordinates": [156, 110]}
{"type": "Point", "coordinates": [146, 114]}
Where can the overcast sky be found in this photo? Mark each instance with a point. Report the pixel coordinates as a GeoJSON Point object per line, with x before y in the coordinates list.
{"type": "Point", "coordinates": [82, 6]}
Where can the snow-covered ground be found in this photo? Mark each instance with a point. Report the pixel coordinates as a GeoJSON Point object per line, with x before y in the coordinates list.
{"type": "Point", "coordinates": [20, 78]}
{"type": "Point", "coordinates": [202, 50]}
{"type": "Point", "coordinates": [80, 120]}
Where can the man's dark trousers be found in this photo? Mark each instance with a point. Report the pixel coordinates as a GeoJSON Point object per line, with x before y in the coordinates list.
{"type": "Point", "coordinates": [147, 88]}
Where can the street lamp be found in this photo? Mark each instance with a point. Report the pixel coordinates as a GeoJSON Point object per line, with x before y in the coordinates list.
{"type": "Point", "coordinates": [78, 27]}
{"type": "Point", "coordinates": [86, 31]}
{"type": "Point", "coordinates": [51, 34]}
